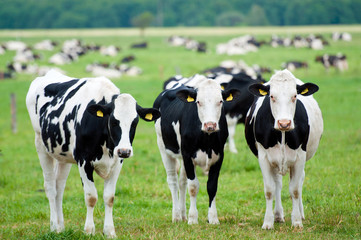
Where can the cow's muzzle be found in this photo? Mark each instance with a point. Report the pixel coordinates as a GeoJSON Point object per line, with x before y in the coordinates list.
{"type": "Point", "coordinates": [124, 152]}
{"type": "Point", "coordinates": [284, 125]}
{"type": "Point", "coordinates": [210, 127]}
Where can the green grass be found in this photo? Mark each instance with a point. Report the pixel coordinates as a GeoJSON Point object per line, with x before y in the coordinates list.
{"type": "Point", "coordinates": [142, 208]}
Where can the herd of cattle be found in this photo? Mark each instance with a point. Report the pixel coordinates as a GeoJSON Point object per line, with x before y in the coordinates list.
{"type": "Point", "coordinates": [73, 49]}
{"type": "Point", "coordinates": [89, 122]}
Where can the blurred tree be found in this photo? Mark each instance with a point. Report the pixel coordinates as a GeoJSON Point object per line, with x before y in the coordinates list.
{"type": "Point", "coordinates": [142, 21]}
{"type": "Point", "coordinates": [232, 18]}
{"type": "Point", "coordinates": [257, 16]}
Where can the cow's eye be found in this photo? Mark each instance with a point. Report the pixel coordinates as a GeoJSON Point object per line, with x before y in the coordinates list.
{"type": "Point", "coordinates": [273, 98]}
{"type": "Point", "coordinates": [199, 103]}
{"type": "Point", "coordinates": [294, 98]}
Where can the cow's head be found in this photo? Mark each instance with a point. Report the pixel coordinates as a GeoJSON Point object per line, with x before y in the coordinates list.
{"type": "Point", "coordinates": [283, 91]}
{"type": "Point", "coordinates": [122, 116]}
{"type": "Point", "coordinates": [209, 98]}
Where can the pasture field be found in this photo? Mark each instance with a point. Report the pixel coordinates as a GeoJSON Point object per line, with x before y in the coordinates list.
{"type": "Point", "coordinates": [142, 208]}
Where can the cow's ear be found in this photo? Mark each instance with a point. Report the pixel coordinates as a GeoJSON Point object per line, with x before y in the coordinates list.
{"type": "Point", "coordinates": [224, 85]}
{"type": "Point", "coordinates": [99, 110]}
{"type": "Point", "coordinates": [307, 89]}
{"type": "Point", "coordinates": [230, 94]}
{"type": "Point", "coordinates": [259, 90]}
{"type": "Point", "coordinates": [187, 95]}
{"type": "Point", "coordinates": [148, 114]}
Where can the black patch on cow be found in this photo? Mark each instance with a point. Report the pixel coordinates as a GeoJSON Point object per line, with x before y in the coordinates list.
{"type": "Point", "coordinates": [49, 130]}
{"type": "Point", "coordinates": [261, 129]}
{"type": "Point", "coordinates": [239, 107]}
{"type": "Point", "coordinates": [36, 104]}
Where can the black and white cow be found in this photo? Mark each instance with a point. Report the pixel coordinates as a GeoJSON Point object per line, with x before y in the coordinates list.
{"type": "Point", "coordinates": [192, 128]}
{"type": "Point", "coordinates": [338, 61]}
{"type": "Point", "coordinates": [283, 128]}
{"type": "Point", "coordinates": [85, 122]}
{"type": "Point", "coordinates": [293, 65]}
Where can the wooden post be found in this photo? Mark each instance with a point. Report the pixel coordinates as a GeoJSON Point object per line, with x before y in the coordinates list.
{"type": "Point", "coordinates": [161, 72]}
{"type": "Point", "coordinates": [13, 112]}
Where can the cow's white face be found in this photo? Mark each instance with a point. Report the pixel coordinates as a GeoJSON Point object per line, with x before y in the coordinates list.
{"type": "Point", "coordinates": [122, 125]}
{"type": "Point", "coordinates": [209, 105]}
{"type": "Point", "coordinates": [283, 97]}
{"type": "Point", "coordinates": [283, 90]}
{"type": "Point", "coordinates": [122, 116]}
{"type": "Point", "coordinates": [209, 98]}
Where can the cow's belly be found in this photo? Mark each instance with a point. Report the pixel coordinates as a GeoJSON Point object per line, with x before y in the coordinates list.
{"type": "Point", "coordinates": [281, 157]}
{"type": "Point", "coordinates": [201, 159]}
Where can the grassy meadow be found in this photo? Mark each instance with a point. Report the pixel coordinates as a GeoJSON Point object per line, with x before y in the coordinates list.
{"type": "Point", "coordinates": [143, 205]}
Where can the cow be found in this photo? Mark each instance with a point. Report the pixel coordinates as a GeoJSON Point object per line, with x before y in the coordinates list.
{"type": "Point", "coordinates": [139, 45]}
{"type": "Point", "coordinates": [87, 122]}
{"type": "Point", "coordinates": [192, 131]}
{"type": "Point", "coordinates": [338, 61]}
{"type": "Point", "coordinates": [293, 65]}
{"type": "Point", "coordinates": [283, 129]}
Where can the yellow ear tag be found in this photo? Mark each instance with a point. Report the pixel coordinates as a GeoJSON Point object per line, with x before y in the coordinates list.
{"type": "Point", "coordinates": [304, 91]}
{"type": "Point", "coordinates": [222, 87]}
{"type": "Point", "coordinates": [262, 92]}
{"type": "Point", "coordinates": [190, 99]}
{"type": "Point", "coordinates": [149, 116]}
{"type": "Point", "coordinates": [100, 113]}
{"type": "Point", "coordinates": [229, 98]}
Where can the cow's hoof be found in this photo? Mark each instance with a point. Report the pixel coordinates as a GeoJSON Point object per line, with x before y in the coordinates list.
{"type": "Point", "coordinates": [267, 226]}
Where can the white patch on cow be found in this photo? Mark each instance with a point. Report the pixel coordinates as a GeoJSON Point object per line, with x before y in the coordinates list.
{"type": "Point", "coordinates": [201, 159]}
{"type": "Point", "coordinates": [232, 124]}
{"type": "Point", "coordinates": [209, 103]}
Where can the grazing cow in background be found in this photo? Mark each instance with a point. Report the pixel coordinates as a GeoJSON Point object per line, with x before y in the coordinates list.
{"type": "Point", "coordinates": [128, 59]}
{"type": "Point", "coordinates": [85, 122]}
{"type": "Point", "coordinates": [293, 65]}
{"type": "Point", "coordinates": [192, 128]}
{"type": "Point", "coordinates": [46, 44]}
{"type": "Point", "coordinates": [283, 128]}
{"type": "Point", "coordinates": [139, 45]}
{"type": "Point", "coordinates": [338, 61]}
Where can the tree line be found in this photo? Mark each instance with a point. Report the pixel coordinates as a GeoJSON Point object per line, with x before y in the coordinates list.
{"type": "Point", "coordinates": [20, 14]}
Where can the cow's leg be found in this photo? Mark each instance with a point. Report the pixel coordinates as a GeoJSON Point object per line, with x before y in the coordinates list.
{"type": "Point", "coordinates": [48, 164]}
{"type": "Point", "coordinates": [232, 124]}
{"type": "Point", "coordinates": [295, 189]}
{"type": "Point", "coordinates": [90, 195]}
{"type": "Point", "coordinates": [108, 196]}
{"type": "Point", "coordinates": [182, 191]}
{"type": "Point", "coordinates": [300, 194]}
{"type": "Point", "coordinates": [62, 172]}
{"type": "Point", "coordinates": [212, 185]}
{"type": "Point", "coordinates": [193, 188]}
{"type": "Point", "coordinates": [269, 190]}
{"type": "Point", "coordinates": [170, 165]}
{"type": "Point", "coordinates": [278, 211]}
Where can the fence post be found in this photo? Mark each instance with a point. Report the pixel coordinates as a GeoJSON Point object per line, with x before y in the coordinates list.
{"type": "Point", "coordinates": [13, 112]}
